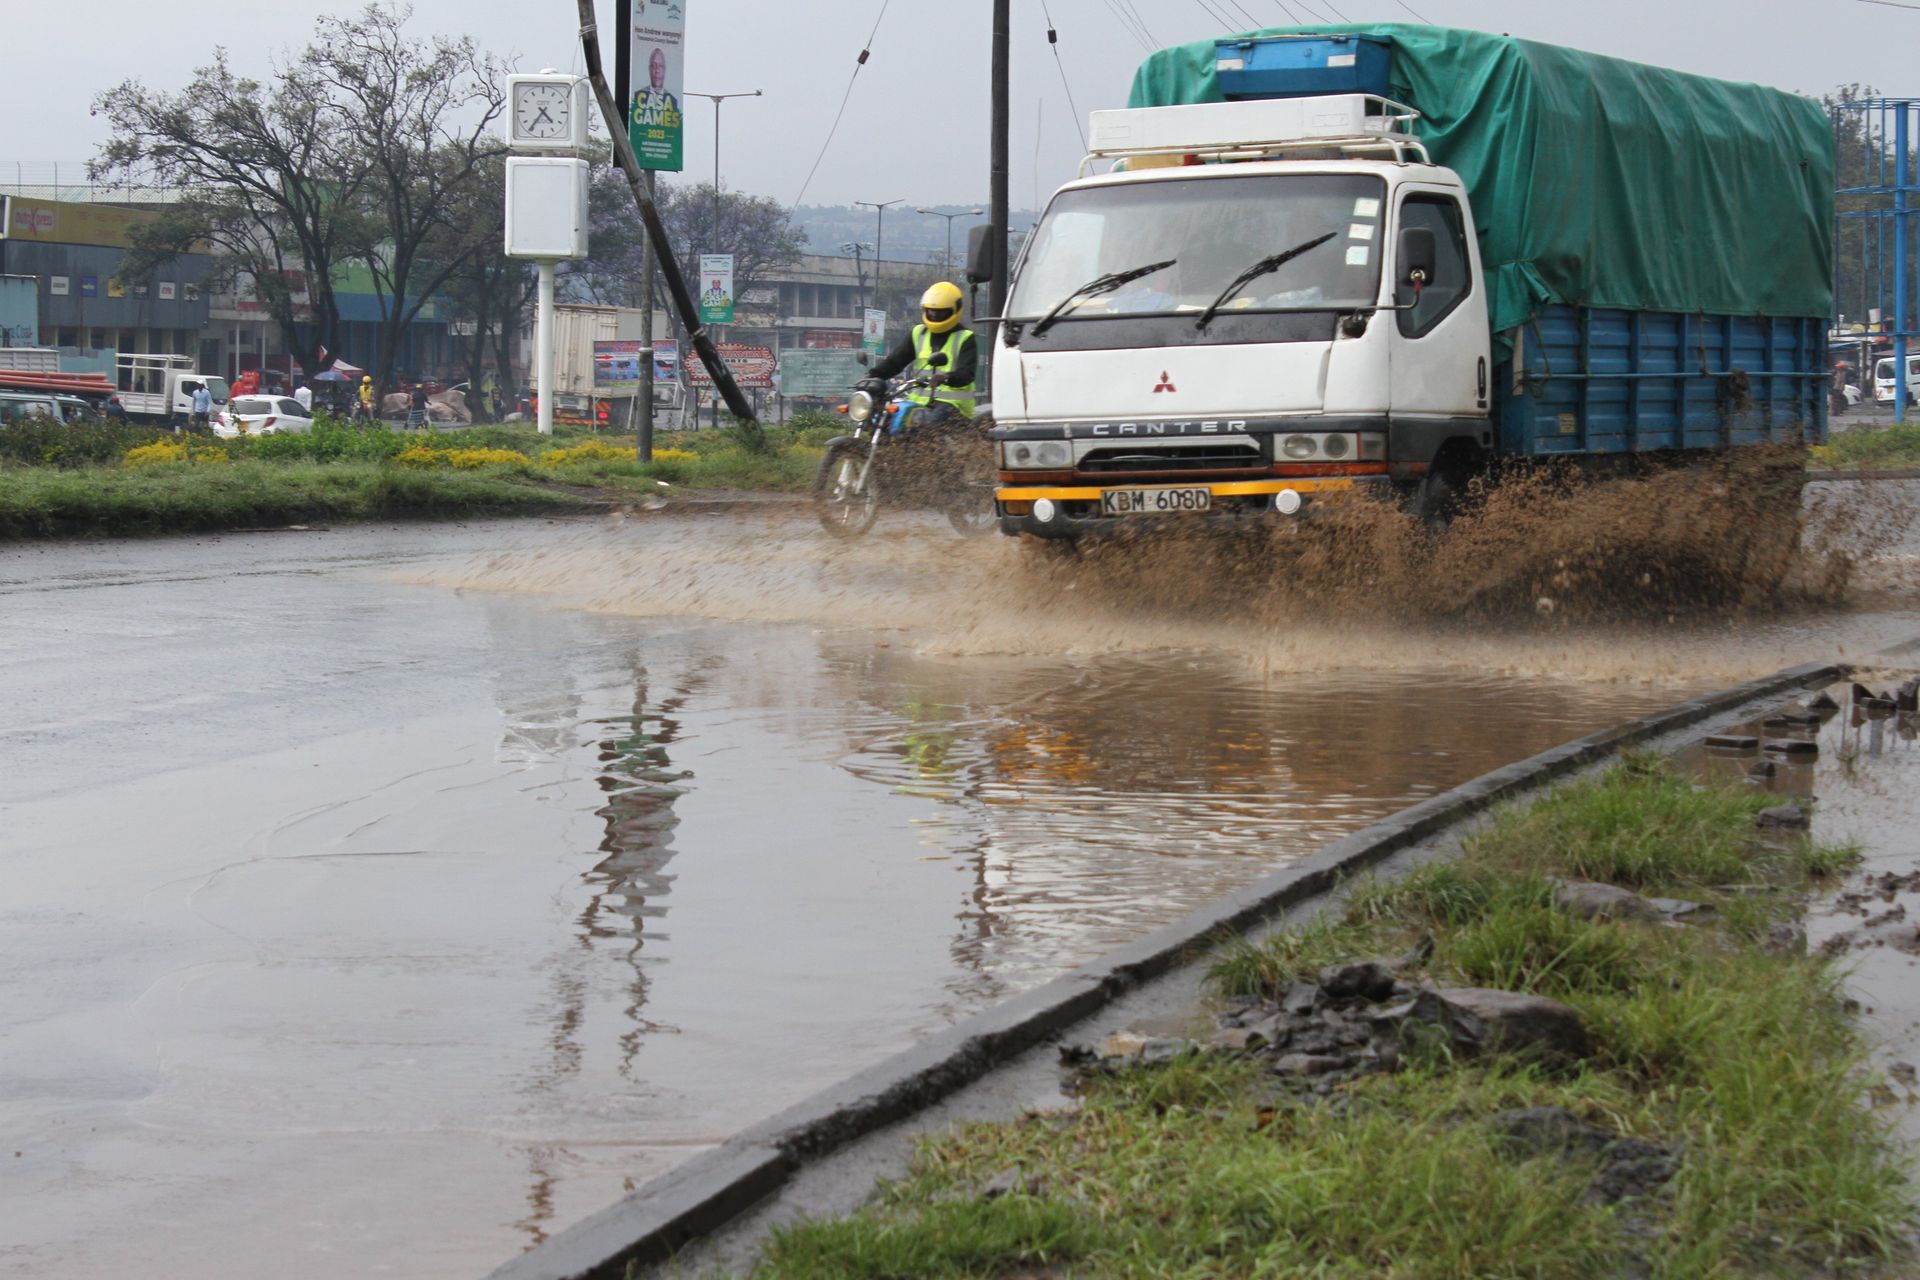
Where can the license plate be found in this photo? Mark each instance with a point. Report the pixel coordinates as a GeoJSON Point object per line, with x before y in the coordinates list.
{"type": "Point", "coordinates": [1126, 502]}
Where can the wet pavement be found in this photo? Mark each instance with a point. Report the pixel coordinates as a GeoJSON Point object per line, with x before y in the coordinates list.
{"type": "Point", "coordinates": [380, 900]}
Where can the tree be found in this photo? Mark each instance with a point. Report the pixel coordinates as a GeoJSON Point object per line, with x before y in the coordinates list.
{"type": "Point", "coordinates": [754, 229]}
{"type": "Point", "coordinates": [489, 290]}
{"type": "Point", "coordinates": [369, 147]}
{"type": "Point", "coordinates": [426, 111]}
{"type": "Point", "coordinates": [265, 181]}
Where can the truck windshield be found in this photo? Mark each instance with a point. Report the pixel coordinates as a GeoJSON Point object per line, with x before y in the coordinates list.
{"type": "Point", "coordinates": [1213, 227]}
{"type": "Point", "coordinates": [217, 388]}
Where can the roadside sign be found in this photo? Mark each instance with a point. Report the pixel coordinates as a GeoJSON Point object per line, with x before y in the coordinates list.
{"type": "Point", "coordinates": [716, 288]}
{"type": "Point", "coordinates": [873, 334]}
{"type": "Point", "coordinates": [666, 359]}
{"type": "Point", "coordinates": [616, 363]}
{"type": "Point", "coordinates": [656, 45]}
{"type": "Point", "coordinates": [830, 372]}
{"type": "Point", "coordinates": [752, 367]}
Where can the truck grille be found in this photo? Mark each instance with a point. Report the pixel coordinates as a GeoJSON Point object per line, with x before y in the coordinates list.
{"type": "Point", "coordinates": [1197, 457]}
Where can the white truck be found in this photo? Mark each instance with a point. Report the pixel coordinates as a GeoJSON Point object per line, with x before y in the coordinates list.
{"type": "Point", "coordinates": [1291, 283]}
{"type": "Point", "coordinates": [160, 388]}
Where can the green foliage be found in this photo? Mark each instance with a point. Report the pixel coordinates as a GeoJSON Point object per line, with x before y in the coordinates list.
{"type": "Point", "coordinates": [43, 502]}
{"type": "Point", "coordinates": [89, 442]}
{"type": "Point", "coordinates": [1628, 827]}
{"type": "Point", "coordinates": [1880, 447]}
{"type": "Point", "coordinates": [1265, 968]}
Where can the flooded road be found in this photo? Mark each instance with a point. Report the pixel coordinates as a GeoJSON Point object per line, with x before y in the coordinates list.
{"type": "Point", "coordinates": [378, 901]}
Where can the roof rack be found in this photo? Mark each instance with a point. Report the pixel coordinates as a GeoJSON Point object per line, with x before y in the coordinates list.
{"type": "Point", "coordinates": [1349, 124]}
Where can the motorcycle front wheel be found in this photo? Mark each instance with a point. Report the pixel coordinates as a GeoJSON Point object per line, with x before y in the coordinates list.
{"type": "Point", "coordinates": [846, 496]}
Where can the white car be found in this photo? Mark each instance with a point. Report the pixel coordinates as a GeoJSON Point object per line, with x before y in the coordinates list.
{"type": "Point", "coordinates": [263, 416]}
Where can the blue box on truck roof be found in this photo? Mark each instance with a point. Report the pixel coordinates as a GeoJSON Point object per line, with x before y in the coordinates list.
{"type": "Point", "coordinates": [1303, 66]}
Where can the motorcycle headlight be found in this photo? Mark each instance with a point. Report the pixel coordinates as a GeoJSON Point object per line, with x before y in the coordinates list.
{"type": "Point", "coordinates": [860, 406]}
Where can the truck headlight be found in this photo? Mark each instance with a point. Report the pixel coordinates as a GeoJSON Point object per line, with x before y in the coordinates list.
{"type": "Point", "coordinates": [1300, 448]}
{"type": "Point", "coordinates": [860, 406]}
{"type": "Point", "coordinates": [1036, 455]}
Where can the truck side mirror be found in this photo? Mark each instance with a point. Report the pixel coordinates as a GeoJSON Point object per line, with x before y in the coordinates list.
{"type": "Point", "coordinates": [980, 253]}
{"type": "Point", "coordinates": [1418, 254]}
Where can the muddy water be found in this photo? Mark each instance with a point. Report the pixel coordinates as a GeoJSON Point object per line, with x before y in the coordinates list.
{"type": "Point", "coordinates": [1866, 785]}
{"type": "Point", "coordinates": [379, 901]}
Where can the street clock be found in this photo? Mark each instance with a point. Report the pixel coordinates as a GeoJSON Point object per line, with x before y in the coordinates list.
{"type": "Point", "coordinates": [546, 114]}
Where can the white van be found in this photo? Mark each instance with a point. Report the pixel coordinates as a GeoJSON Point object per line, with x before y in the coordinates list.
{"type": "Point", "coordinates": [1883, 380]}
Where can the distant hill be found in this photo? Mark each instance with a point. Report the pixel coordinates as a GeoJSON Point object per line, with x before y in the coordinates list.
{"type": "Point", "coordinates": [911, 236]}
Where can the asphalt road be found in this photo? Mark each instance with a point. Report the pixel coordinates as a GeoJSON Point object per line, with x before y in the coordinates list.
{"type": "Point", "coordinates": [380, 899]}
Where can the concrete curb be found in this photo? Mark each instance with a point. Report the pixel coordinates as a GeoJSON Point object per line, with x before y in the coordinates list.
{"type": "Point", "coordinates": [710, 1190]}
{"type": "Point", "coordinates": [1895, 473]}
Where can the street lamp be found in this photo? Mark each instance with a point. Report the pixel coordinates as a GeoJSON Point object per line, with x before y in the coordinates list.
{"type": "Point", "coordinates": [717, 99]}
{"type": "Point", "coordinates": [880, 236]}
{"type": "Point", "coordinates": [964, 213]}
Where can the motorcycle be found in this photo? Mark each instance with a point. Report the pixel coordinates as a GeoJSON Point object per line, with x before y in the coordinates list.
{"type": "Point", "coordinates": [908, 455]}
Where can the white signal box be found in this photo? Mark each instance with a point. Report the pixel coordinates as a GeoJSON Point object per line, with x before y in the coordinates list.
{"type": "Point", "coordinates": [546, 207]}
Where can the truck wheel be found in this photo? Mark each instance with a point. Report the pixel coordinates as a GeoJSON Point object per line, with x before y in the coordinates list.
{"type": "Point", "coordinates": [1436, 501]}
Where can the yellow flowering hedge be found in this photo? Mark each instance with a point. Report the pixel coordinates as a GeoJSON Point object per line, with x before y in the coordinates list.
{"type": "Point", "coordinates": [163, 453]}
{"type": "Point", "coordinates": [421, 455]}
{"type": "Point", "coordinates": [600, 451]}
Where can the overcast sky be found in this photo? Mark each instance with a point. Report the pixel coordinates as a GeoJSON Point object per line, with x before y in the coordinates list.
{"type": "Point", "coordinates": [915, 126]}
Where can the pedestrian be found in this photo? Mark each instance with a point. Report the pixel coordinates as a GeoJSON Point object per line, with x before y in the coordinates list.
{"type": "Point", "coordinates": [363, 411]}
{"type": "Point", "coordinates": [417, 409]}
{"type": "Point", "coordinates": [304, 395]}
{"type": "Point", "coordinates": [202, 407]}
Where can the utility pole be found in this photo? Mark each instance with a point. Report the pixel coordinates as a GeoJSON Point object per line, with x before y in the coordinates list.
{"type": "Point", "coordinates": [717, 99]}
{"type": "Point", "coordinates": [997, 200]}
{"type": "Point", "coordinates": [644, 444]}
{"type": "Point", "coordinates": [856, 248]}
{"type": "Point", "coordinates": [879, 236]}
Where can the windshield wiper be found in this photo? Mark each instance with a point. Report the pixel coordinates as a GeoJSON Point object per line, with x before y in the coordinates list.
{"type": "Point", "coordinates": [1266, 266]}
{"type": "Point", "coordinates": [1097, 286]}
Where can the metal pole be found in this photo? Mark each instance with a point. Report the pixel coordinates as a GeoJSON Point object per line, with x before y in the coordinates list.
{"type": "Point", "coordinates": [644, 444]}
{"type": "Point", "coordinates": [1901, 176]}
{"type": "Point", "coordinates": [880, 237]}
{"type": "Point", "coordinates": [998, 198]}
{"type": "Point", "coordinates": [656, 231]}
{"type": "Point", "coordinates": [543, 344]}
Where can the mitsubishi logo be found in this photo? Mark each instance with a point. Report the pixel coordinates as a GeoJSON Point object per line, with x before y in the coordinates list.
{"type": "Point", "coordinates": [1166, 383]}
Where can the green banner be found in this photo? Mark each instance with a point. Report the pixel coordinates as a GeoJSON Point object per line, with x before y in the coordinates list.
{"type": "Point", "coordinates": [655, 46]}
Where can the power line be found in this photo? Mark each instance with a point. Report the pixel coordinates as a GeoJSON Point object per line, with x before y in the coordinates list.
{"type": "Point", "coordinates": [1415, 12]}
{"type": "Point", "coordinates": [1135, 11]}
{"type": "Point", "coordinates": [1139, 34]}
{"type": "Point", "coordinates": [865, 52]}
{"type": "Point", "coordinates": [1292, 17]}
{"type": "Point", "coordinates": [1251, 20]}
{"type": "Point", "coordinates": [1891, 4]}
{"type": "Point", "coordinates": [1053, 42]}
{"type": "Point", "coordinates": [1214, 14]}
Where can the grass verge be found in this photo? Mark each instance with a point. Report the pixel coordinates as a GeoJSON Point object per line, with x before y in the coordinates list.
{"type": "Point", "coordinates": [1895, 445]}
{"type": "Point", "coordinates": [1735, 1052]}
{"type": "Point", "coordinates": [103, 479]}
{"type": "Point", "coordinates": [43, 502]}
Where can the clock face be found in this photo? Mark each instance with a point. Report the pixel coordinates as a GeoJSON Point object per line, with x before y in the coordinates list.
{"type": "Point", "coordinates": [542, 112]}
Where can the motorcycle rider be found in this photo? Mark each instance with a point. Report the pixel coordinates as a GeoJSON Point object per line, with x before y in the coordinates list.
{"type": "Point", "coordinates": [363, 412]}
{"type": "Point", "coordinates": [940, 332]}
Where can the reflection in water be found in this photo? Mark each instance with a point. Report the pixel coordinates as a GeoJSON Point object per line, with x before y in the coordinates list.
{"type": "Point", "coordinates": [636, 775]}
{"type": "Point", "coordinates": [1090, 805]}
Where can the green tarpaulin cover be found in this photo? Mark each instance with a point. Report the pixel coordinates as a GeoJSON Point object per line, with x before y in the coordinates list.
{"type": "Point", "coordinates": [1601, 182]}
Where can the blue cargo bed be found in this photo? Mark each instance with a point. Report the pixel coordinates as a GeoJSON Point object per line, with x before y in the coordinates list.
{"type": "Point", "coordinates": [1596, 381]}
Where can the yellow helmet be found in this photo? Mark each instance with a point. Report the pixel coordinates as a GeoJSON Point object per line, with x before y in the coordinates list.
{"type": "Point", "coordinates": [940, 307]}
{"type": "Point", "coordinates": [366, 377]}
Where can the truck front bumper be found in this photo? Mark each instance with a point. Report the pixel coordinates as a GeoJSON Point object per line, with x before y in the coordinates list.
{"type": "Point", "coordinates": [1075, 510]}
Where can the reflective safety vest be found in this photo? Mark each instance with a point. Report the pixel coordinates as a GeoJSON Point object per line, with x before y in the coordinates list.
{"type": "Point", "coordinates": [960, 398]}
